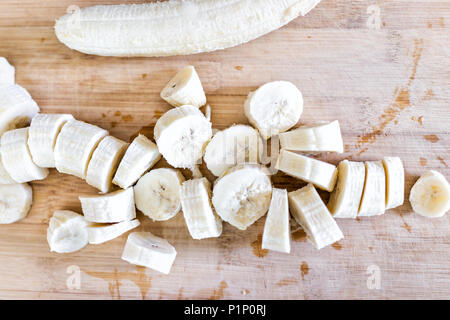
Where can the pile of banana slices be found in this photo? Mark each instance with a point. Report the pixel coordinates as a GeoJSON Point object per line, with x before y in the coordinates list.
{"type": "Point", "coordinates": [32, 142]}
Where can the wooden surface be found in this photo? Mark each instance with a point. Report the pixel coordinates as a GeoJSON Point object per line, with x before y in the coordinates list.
{"type": "Point", "coordinates": [388, 87]}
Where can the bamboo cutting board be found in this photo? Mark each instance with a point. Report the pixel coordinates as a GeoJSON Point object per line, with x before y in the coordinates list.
{"type": "Point", "coordinates": [380, 67]}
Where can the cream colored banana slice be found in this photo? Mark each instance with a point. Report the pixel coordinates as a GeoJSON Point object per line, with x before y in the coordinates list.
{"type": "Point", "coordinates": [201, 220]}
{"type": "Point", "coordinates": [274, 107]}
{"type": "Point", "coordinates": [44, 130]}
{"type": "Point", "coordinates": [277, 233]}
{"type": "Point", "coordinates": [184, 88]}
{"type": "Point", "coordinates": [74, 146]}
{"type": "Point", "coordinates": [100, 233]}
{"type": "Point", "coordinates": [147, 250]}
{"type": "Point", "coordinates": [430, 195]}
{"type": "Point", "coordinates": [322, 174]}
{"type": "Point", "coordinates": [373, 201]}
{"type": "Point", "coordinates": [236, 145]}
{"type": "Point", "coordinates": [157, 193]}
{"type": "Point", "coordinates": [116, 206]}
{"type": "Point", "coordinates": [16, 157]}
{"type": "Point", "coordinates": [17, 108]}
{"type": "Point", "coordinates": [104, 163]}
{"type": "Point", "coordinates": [15, 202]}
{"type": "Point", "coordinates": [319, 138]}
{"type": "Point", "coordinates": [313, 216]}
{"type": "Point", "coordinates": [67, 232]}
{"type": "Point", "coordinates": [5, 178]}
{"type": "Point", "coordinates": [346, 196]}
{"type": "Point", "coordinates": [242, 195]}
{"type": "Point", "coordinates": [395, 181]}
{"type": "Point", "coordinates": [182, 135]}
{"type": "Point", "coordinates": [7, 72]}
{"type": "Point", "coordinates": [141, 155]}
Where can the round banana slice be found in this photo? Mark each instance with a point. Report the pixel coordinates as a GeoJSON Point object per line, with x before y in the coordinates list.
{"type": "Point", "coordinates": [7, 72]}
{"type": "Point", "coordinates": [184, 88]}
{"type": "Point", "coordinates": [274, 107]}
{"type": "Point", "coordinates": [67, 232]}
{"type": "Point", "coordinates": [430, 195]}
{"type": "Point", "coordinates": [16, 157]}
{"type": "Point", "coordinates": [157, 193]}
{"type": "Point", "coordinates": [15, 202]}
{"type": "Point", "coordinates": [242, 195]}
{"type": "Point", "coordinates": [230, 147]}
{"type": "Point", "coordinates": [181, 135]}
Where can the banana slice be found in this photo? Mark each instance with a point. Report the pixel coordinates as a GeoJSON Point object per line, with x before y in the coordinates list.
{"type": "Point", "coordinates": [313, 216]}
{"type": "Point", "coordinates": [116, 206]}
{"type": "Point", "coordinates": [345, 198]}
{"type": "Point", "coordinates": [184, 88]}
{"type": "Point", "coordinates": [430, 195]}
{"type": "Point", "coordinates": [242, 195]}
{"type": "Point", "coordinates": [99, 233]}
{"type": "Point", "coordinates": [15, 202]}
{"type": "Point", "coordinates": [373, 201]}
{"type": "Point", "coordinates": [201, 220]}
{"type": "Point", "coordinates": [323, 138]}
{"type": "Point", "coordinates": [166, 28]}
{"type": "Point", "coordinates": [16, 157]}
{"type": "Point", "coordinates": [44, 130]}
{"type": "Point", "coordinates": [236, 145]}
{"type": "Point", "coordinates": [277, 233]}
{"type": "Point", "coordinates": [17, 108]}
{"type": "Point", "coordinates": [67, 232]}
{"type": "Point", "coordinates": [5, 178]}
{"type": "Point", "coordinates": [74, 147]}
{"type": "Point", "coordinates": [395, 181]}
{"type": "Point", "coordinates": [322, 174]}
{"type": "Point", "coordinates": [157, 193]}
{"type": "Point", "coordinates": [274, 107]}
{"type": "Point", "coordinates": [181, 135]}
{"type": "Point", "coordinates": [141, 155]}
{"type": "Point", "coordinates": [7, 72]}
{"type": "Point", "coordinates": [145, 249]}
{"type": "Point", "coordinates": [104, 163]}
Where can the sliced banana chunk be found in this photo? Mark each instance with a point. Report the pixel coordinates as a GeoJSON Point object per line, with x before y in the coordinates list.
{"type": "Point", "coordinates": [104, 163]}
{"type": "Point", "coordinates": [116, 206]}
{"type": "Point", "coordinates": [322, 174]}
{"type": "Point", "coordinates": [395, 181]}
{"type": "Point", "coordinates": [67, 232]}
{"type": "Point", "coordinates": [157, 193]}
{"type": "Point", "coordinates": [236, 145]}
{"type": "Point", "coordinates": [242, 195]}
{"type": "Point", "coordinates": [44, 130]}
{"type": "Point", "coordinates": [148, 250]}
{"type": "Point", "coordinates": [319, 138]}
{"type": "Point", "coordinates": [373, 201]}
{"type": "Point", "coordinates": [181, 135]}
{"type": "Point", "coordinates": [7, 72]}
{"type": "Point", "coordinates": [184, 88]}
{"type": "Point", "coordinates": [5, 178]}
{"type": "Point", "coordinates": [277, 233]}
{"type": "Point", "coordinates": [274, 107]}
{"type": "Point", "coordinates": [17, 108]}
{"type": "Point", "coordinates": [201, 220]}
{"type": "Point", "coordinates": [346, 196]}
{"type": "Point", "coordinates": [15, 202]}
{"type": "Point", "coordinates": [141, 155]}
{"type": "Point", "coordinates": [313, 216]}
{"type": "Point", "coordinates": [430, 195]}
{"type": "Point", "coordinates": [74, 147]}
{"type": "Point", "coordinates": [100, 233]}
{"type": "Point", "coordinates": [16, 157]}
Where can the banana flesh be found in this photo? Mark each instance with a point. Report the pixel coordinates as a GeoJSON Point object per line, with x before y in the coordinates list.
{"type": "Point", "coordinates": [7, 72]}
{"type": "Point", "coordinates": [5, 178]}
{"type": "Point", "coordinates": [395, 181]}
{"type": "Point", "coordinates": [313, 216]}
{"type": "Point", "coordinates": [15, 202]}
{"type": "Point", "coordinates": [67, 232]}
{"type": "Point", "coordinates": [322, 174]}
{"type": "Point", "coordinates": [201, 220]}
{"type": "Point", "coordinates": [373, 201]}
{"type": "Point", "coordinates": [100, 233]}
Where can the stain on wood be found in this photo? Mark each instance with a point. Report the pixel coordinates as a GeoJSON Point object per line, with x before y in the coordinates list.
{"type": "Point", "coordinates": [304, 269]}
{"type": "Point", "coordinates": [257, 250]}
{"type": "Point", "coordinates": [432, 138]}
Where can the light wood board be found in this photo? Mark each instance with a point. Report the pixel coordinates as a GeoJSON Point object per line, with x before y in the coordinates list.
{"type": "Point", "coordinates": [389, 88]}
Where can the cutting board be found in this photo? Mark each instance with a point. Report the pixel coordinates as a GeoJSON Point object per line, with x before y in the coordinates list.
{"type": "Point", "coordinates": [379, 67]}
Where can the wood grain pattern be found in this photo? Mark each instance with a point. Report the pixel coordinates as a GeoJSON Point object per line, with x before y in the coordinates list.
{"type": "Point", "coordinates": [389, 88]}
